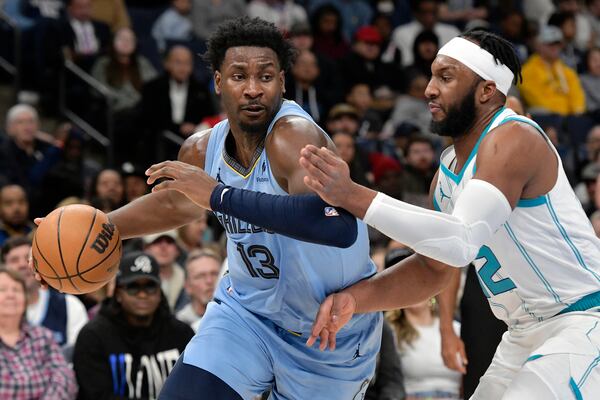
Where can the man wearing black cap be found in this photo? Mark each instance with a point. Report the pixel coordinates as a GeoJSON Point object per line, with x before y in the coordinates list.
{"type": "Point", "coordinates": [128, 350]}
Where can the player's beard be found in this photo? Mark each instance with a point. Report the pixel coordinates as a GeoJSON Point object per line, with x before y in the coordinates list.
{"type": "Point", "coordinates": [256, 129]}
{"type": "Point", "coordinates": [459, 118]}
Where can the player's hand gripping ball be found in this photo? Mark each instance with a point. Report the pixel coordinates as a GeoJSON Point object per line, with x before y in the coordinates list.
{"type": "Point", "coordinates": [76, 249]}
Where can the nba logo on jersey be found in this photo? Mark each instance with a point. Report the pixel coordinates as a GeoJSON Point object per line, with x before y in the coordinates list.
{"type": "Point", "coordinates": [331, 212]}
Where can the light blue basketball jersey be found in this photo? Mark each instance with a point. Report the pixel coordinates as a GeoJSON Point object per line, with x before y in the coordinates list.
{"type": "Point", "coordinates": [271, 275]}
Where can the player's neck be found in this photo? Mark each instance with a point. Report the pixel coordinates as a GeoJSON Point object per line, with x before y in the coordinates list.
{"type": "Point", "coordinates": [244, 145]}
{"type": "Point", "coordinates": [463, 145]}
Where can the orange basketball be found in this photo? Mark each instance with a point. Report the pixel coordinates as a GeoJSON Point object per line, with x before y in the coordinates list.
{"type": "Point", "coordinates": [76, 249]}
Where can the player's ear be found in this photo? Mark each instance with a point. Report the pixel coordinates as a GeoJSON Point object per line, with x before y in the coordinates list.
{"type": "Point", "coordinates": [217, 82]}
{"type": "Point", "coordinates": [282, 81]}
{"type": "Point", "coordinates": [488, 90]}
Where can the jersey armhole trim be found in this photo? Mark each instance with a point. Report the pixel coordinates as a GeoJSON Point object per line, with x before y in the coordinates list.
{"type": "Point", "coordinates": [575, 389]}
{"type": "Point", "coordinates": [537, 201]}
{"type": "Point", "coordinates": [436, 206]}
{"type": "Point", "coordinates": [534, 357]}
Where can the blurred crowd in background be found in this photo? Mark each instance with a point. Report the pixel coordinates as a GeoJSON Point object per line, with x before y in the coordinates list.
{"type": "Point", "coordinates": [105, 88]}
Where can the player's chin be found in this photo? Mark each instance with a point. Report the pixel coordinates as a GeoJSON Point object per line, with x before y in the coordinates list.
{"type": "Point", "coordinates": [438, 116]}
{"type": "Point", "coordinates": [255, 126]}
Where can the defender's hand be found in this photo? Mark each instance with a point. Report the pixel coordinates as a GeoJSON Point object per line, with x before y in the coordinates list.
{"type": "Point", "coordinates": [188, 179]}
{"type": "Point", "coordinates": [453, 352]}
{"type": "Point", "coordinates": [328, 175]}
{"type": "Point", "coordinates": [334, 313]}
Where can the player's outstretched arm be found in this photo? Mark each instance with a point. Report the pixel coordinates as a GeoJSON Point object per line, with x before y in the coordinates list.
{"type": "Point", "coordinates": [163, 210]}
{"type": "Point", "coordinates": [511, 164]}
{"type": "Point", "coordinates": [413, 280]}
{"type": "Point", "coordinates": [158, 211]}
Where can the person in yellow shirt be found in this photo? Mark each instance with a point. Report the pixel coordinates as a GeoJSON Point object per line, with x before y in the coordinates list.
{"type": "Point", "coordinates": [549, 85]}
{"type": "Point", "coordinates": [111, 12]}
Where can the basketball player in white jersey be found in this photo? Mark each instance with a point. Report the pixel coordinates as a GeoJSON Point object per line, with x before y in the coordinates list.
{"type": "Point", "coordinates": [503, 203]}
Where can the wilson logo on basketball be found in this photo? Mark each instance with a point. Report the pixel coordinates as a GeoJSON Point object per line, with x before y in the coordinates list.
{"type": "Point", "coordinates": [103, 238]}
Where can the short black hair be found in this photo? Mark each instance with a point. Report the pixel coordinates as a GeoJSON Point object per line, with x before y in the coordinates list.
{"type": "Point", "coordinates": [13, 243]}
{"type": "Point", "coordinates": [500, 48]}
{"type": "Point", "coordinates": [245, 31]}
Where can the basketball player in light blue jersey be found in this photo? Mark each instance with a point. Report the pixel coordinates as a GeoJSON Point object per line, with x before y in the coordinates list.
{"type": "Point", "coordinates": [503, 203]}
{"type": "Point", "coordinates": [252, 337]}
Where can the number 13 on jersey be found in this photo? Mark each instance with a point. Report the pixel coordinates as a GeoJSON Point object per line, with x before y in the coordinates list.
{"type": "Point", "coordinates": [263, 255]}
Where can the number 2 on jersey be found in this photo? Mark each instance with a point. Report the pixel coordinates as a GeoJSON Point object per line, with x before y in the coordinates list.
{"type": "Point", "coordinates": [265, 258]}
{"type": "Point", "coordinates": [488, 270]}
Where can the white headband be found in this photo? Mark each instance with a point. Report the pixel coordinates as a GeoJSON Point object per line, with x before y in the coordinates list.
{"type": "Point", "coordinates": [479, 61]}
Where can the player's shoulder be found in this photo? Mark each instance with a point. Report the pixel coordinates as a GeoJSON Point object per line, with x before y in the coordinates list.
{"type": "Point", "coordinates": [292, 129]}
{"type": "Point", "coordinates": [295, 124]}
{"type": "Point", "coordinates": [517, 134]}
{"type": "Point", "coordinates": [515, 147]}
{"type": "Point", "coordinates": [193, 149]}
{"type": "Point", "coordinates": [198, 138]}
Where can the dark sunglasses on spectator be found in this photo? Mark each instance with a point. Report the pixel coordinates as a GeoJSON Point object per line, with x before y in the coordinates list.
{"type": "Point", "coordinates": [134, 288]}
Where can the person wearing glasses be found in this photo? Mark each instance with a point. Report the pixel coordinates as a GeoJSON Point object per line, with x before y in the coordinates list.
{"type": "Point", "coordinates": [129, 349]}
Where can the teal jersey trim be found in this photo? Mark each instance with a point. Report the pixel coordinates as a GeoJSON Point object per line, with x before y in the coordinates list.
{"type": "Point", "coordinates": [436, 206]}
{"type": "Point", "coordinates": [585, 303]}
{"type": "Point", "coordinates": [520, 118]}
{"type": "Point", "coordinates": [457, 178]}
{"type": "Point", "coordinates": [538, 201]}
{"type": "Point", "coordinates": [500, 306]}
{"type": "Point", "coordinates": [575, 389]}
{"type": "Point", "coordinates": [590, 331]}
{"type": "Point", "coordinates": [588, 371]}
{"type": "Point", "coordinates": [451, 174]}
{"type": "Point", "coordinates": [534, 357]}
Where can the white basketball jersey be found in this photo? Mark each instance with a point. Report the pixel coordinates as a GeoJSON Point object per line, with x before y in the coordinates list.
{"type": "Point", "coordinates": [544, 259]}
